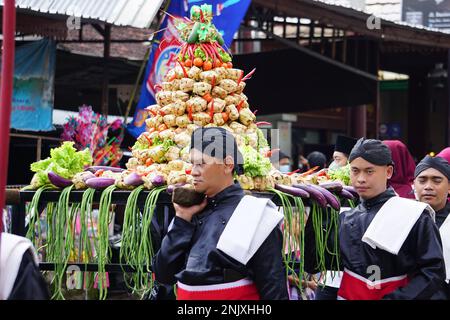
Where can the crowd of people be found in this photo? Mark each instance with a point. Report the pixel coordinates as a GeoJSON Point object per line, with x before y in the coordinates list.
{"type": "Point", "coordinates": [218, 249]}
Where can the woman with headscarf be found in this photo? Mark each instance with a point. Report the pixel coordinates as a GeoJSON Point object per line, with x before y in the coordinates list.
{"type": "Point", "coordinates": [445, 153]}
{"type": "Point", "coordinates": [404, 165]}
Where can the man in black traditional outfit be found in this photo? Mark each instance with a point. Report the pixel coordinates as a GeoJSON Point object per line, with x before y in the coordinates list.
{"type": "Point", "coordinates": [431, 184]}
{"type": "Point", "coordinates": [390, 247]}
{"type": "Point", "coordinates": [216, 250]}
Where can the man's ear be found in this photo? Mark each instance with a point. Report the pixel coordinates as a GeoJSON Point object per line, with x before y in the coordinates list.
{"type": "Point", "coordinates": [389, 171]}
{"type": "Point", "coordinates": [229, 164]}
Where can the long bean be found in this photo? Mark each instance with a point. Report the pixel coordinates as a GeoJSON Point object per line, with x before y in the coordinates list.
{"type": "Point", "coordinates": [61, 255]}
{"type": "Point", "coordinates": [293, 241]}
{"type": "Point", "coordinates": [131, 233]}
{"type": "Point", "coordinates": [34, 214]}
{"type": "Point", "coordinates": [146, 253]}
{"type": "Point", "coordinates": [103, 249]}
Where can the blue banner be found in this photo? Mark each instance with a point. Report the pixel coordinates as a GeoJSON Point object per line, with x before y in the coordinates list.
{"type": "Point", "coordinates": [34, 74]}
{"type": "Point", "coordinates": [227, 18]}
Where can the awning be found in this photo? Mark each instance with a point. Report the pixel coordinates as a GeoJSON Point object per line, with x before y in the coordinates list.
{"type": "Point", "coordinates": [134, 13]}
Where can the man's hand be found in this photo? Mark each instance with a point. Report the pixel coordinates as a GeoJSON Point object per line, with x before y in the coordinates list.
{"type": "Point", "coordinates": [186, 213]}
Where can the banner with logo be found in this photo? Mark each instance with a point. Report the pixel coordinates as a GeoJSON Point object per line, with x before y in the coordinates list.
{"type": "Point", "coordinates": [227, 18]}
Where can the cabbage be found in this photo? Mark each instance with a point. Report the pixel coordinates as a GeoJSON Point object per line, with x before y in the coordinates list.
{"type": "Point", "coordinates": [65, 161]}
{"type": "Point", "coordinates": [340, 173]}
{"type": "Point", "coordinates": [254, 163]}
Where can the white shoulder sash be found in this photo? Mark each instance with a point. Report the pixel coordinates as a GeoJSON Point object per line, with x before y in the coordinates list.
{"type": "Point", "coordinates": [444, 230]}
{"type": "Point", "coordinates": [251, 223]}
{"type": "Point", "coordinates": [11, 253]}
{"type": "Point", "coordinates": [393, 223]}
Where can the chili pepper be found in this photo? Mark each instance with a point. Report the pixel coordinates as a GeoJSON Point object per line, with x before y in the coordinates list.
{"type": "Point", "coordinates": [98, 173]}
{"type": "Point", "coordinates": [182, 67]}
{"type": "Point", "coordinates": [211, 111]}
{"type": "Point", "coordinates": [150, 142]}
{"type": "Point", "coordinates": [190, 113]}
{"type": "Point", "coordinates": [309, 171]}
{"type": "Point", "coordinates": [249, 75]}
{"type": "Point", "coordinates": [239, 106]}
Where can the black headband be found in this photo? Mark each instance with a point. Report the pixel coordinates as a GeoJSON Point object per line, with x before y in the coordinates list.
{"type": "Point", "coordinates": [438, 163]}
{"type": "Point", "coordinates": [218, 143]}
{"type": "Point", "coordinates": [373, 151]}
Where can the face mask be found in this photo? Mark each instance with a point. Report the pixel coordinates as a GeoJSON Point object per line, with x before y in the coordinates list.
{"type": "Point", "coordinates": [333, 166]}
{"type": "Point", "coordinates": [285, 168]}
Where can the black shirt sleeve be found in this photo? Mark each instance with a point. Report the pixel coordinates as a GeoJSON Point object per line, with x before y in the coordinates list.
{"type": "Point", "coordinates": [171, 257]}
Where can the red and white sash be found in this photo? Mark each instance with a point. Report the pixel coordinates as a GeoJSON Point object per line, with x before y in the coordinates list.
{"type": "Point", "coordinates": [243, 289]}
{"type": "Point", "coordinates": [356, 287]}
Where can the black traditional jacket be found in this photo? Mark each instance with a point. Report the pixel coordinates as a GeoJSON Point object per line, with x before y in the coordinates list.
{"type": "Point", "coordinates": [188, 252]}
{"type": "Point", "coordinates": [420, 257]}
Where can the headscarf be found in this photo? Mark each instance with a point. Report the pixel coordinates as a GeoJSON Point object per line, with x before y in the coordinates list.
{"type": "Point", "coordinates": [404, 166]}
{"type": "Point", "coordinates": [445, 153]}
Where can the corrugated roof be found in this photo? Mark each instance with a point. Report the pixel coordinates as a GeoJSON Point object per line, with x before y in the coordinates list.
{"type": "Point", "coordinates": [134, 13]}
{"type": "Point", "coordinates": [341, 4]}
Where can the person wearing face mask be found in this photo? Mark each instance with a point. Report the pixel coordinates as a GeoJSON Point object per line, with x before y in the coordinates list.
{"type": "Point", "coordinates": [281, 161]}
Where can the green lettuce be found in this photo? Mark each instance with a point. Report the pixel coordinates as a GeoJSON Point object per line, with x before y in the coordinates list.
{"type": "Point", "coordinates": [65, 161]}
{"type": "Point", "coordinates": [262, 142]}
{"type": "Point", "coordinates": [340, 173]}
{"type": "Point", "coordinates": [255, 164]}
{"type": "Point", "coordinates": [140, 146]}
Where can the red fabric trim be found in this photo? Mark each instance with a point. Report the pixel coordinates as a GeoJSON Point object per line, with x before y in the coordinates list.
{"type": "Point", "coordinates": [353, 288]}
{"type": "Point", "coordinates": [246, 292]}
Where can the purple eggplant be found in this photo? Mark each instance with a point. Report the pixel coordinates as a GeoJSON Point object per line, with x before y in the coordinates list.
{"type": "Point", "coordinates": [158, 180]}
{"type": "Point", "coordinates": [347, 194]}
{"type": "Point", "coordinates": [351, 190]}
{"type": "Point", "coordinates": [332, 186]}
{"type": "Point", "coordinates": [331, 198]}
{"type": "Point", "coordinates": [173, 186]}
{"type": "Point", "coordinates": [99, 183]}
{"type": "Point", "coordinates": [133, 179]}
{"type": "Point", "coordinates": [58, 181]}
{"type": "Point", "coordinates": [292, 191]}
{"type": "Point", "coordinates": [314, 194]}
{"type": "Point", "coordinates": [94, 169]}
